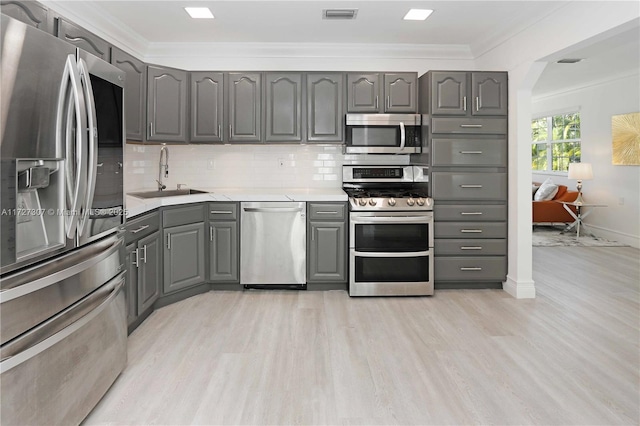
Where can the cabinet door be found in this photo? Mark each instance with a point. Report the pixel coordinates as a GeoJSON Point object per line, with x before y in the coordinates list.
{"type": "Point", "coordinates": [283, 102]}
{"type": "Point", "coordinates": [166, 104]}
{"type": "Point", "coordinates": [325, 107]}
{"type": "Point", "coordinates": [30, 12]}
{"type": "Point", "coordinates": [223, 252]}
{"type": "Point", "coordinates": [244, 107]}
{"type": "Point", "coordinates": [207, 89]}
{"type": "Point", "coordinates": [400, 92]}
{"type": "Point", "coordinates": [135, 92]}
{"type": "Point", "coordinates": [131, 286]}
{"type": "Point", "coordinates": [327, 252]}
{"type": "Point", "coordinates": [83, 39]}
{"type": "Point", "coordinates": [449, 93]}
{"type": "Point", "coordinates": [363, 92]}
{"type": "Point", "coordinates": [183, 256]}
{"type": "Point", "coordinates": [489, 93]}
{"type": "Point", "coordinates": [149, 271]}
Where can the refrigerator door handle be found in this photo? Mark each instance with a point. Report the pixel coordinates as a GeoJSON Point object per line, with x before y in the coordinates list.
{"type": "Point", "coordinates": [92, 165]}
{"type": "Point", "coordinates": [60, 326]}
{"type": "Point", "coordinates": [72, 100]}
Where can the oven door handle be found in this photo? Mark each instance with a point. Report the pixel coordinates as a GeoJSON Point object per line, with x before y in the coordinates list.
{"type": "Point", "coordinates": [391, 219]}
{"type": "Point", "coordinates": [393, 254]}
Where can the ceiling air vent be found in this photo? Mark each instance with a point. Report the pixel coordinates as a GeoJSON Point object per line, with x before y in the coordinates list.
{"type": "Point", "coordinates": [339, 14]}
{"type": "Point", "coordinates": [569, 61]}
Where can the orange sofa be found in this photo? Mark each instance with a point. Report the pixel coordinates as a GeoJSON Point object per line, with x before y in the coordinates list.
{"type": "Point", "coordinates": [552, 211]}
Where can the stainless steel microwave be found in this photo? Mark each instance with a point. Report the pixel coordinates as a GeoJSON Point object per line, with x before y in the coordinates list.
{"type": "Point", "coordinates": [383, 133]}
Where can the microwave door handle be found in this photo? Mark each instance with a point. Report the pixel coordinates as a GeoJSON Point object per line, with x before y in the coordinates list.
{"type": "Point", "coordinates": [92, 165]}
{"type": "Point", "coordinates": [403, 136]}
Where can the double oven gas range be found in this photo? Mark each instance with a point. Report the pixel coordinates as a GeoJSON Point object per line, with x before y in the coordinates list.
{"type": "Point", "coordinates": [391, 230]}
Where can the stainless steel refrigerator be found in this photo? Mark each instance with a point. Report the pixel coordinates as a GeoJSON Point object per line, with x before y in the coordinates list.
{"type": "Point", "coordinates": [62, 310]}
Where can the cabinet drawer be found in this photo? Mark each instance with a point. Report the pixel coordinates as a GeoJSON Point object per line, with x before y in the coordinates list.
{"type": "Point", "coordinates": [478, 126]}
{"type": "Point", "coordinates": [327, 211]}
{"type": "Point", "coordinates": [471, 268]}
{"type": "Point", "coordinates": [469, 152]}
{"type": "Point", "coordinates": [469, 212]}
{"type": "Point", "coordinates": [479, 247]}
{"type": "Point", "coordinates": [223, 211]}
{"type": "Point", "coordinates": [469, 186]}
{"type": "Point", "coordinates": [141, 226]}
{"type": "Point", "coordinates": [183, 215]}
{"type": "Point", "coordinates": [470, 230]}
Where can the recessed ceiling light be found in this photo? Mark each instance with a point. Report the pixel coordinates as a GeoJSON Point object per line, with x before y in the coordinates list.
{"type": "Point", "coordinates": [417, 14]}
{"type": "Point", "coordinates": [199, 12]}
{"type": "Point", "coordinates": [570, 61]}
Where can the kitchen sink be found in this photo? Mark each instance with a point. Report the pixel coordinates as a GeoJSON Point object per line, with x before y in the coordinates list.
{"type": "Point", "coordinates": [166, 193]}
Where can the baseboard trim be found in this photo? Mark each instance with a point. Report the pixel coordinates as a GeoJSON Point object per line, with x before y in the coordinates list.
{"type": "Point", "coordinates": [519, 289]}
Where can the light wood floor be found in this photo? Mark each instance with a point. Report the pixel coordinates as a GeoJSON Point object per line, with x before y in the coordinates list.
{"type": "Point", "coordinates": [571, 356]}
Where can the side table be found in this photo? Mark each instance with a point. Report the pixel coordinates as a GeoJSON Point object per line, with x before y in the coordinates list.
{"type": "Point", "coordinates": [582, 211]}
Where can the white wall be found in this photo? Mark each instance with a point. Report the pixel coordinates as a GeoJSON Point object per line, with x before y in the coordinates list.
{"type": "Point", "coordinates": [616, 186]}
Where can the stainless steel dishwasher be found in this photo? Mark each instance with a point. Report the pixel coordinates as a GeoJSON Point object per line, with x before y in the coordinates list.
{"type": "Point", "coordinates": [273, 238]}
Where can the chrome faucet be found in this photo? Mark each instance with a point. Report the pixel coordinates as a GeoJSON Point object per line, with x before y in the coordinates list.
{"type": "Point", "coordinates": [163, 166]}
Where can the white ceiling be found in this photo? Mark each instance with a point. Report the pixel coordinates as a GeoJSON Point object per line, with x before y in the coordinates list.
{"type": "Point", "coordinates": [480, 25]}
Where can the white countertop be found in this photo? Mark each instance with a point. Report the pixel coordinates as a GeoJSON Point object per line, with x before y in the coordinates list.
{"type": "Point", "coordinates": [136, 206]}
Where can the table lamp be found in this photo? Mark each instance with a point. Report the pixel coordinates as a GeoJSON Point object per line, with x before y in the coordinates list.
{"type": "Point", "coordinates": [580, 171]}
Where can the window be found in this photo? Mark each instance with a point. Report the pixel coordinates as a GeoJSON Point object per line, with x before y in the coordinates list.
{"type": "Point", "coordinates": [555, 142]}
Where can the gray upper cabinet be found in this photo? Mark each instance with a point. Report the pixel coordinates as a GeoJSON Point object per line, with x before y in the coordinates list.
{"type": "Point", "coordinates": [400, 92]}
{"type": "Point", "coordinates": [166, 104]}
{"type": "Point", "coordinates": [448, 93]}
{"type": "Point", "coordinates": [183, 256]}
{"type": "Point", "coordinates": [283, 104]}
{"type": "Point", "coordinates": [244, 107]}
{"type": "Point", "coordinates": [489, 93]}
{"type": "Point", "coordinates": [207, 107]}
{"type": "Point", "coordinates": [135, 92]}
{"type": "Point", "coordinates": [325, 107]}
{"type": "Point", "coordinates": [83, 39]}
{"type": "Point", "coordinates": [452, 95]}
{"type": "Point", "coordinates": [31, 13]}
{"type": "Point", "coordinates": [382, 92]}
{"type": "Point", "coordinates": [363, 92]}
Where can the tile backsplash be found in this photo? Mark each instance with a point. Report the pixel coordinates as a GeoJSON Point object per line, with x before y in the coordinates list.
{"type": "Point", "coordinates": [249, 166]}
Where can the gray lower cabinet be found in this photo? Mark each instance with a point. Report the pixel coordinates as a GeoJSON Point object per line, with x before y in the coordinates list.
{"type": "Point", "coordinates": [283, 107]}
{"type": "Point", "coordinates": [166, 104]}
{"type": "Point", "coordinates": [135, 92]}
{"type": "Point", "coordinates": [327, 243]}
{"type": "Point", "coordinates": [223, 252]}
{"type": "Point", "coordinates": [30, 12]}
{"type": "Point", "coordinates": [184, 247]}
{"type": "Point", "coordinates": [85, 40]}
{"type": "Point", "coordinates": [244, 107]}
{"type": "Point", "coordinates": [131, 286]}
{"type": "Point", "coordinates": [207, 106]}
{"type": "Point", "coordinates": [149, 271]}
{"type": "Point", "coordinates": [325, 107]}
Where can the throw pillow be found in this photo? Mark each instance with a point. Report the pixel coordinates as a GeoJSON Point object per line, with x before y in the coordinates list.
{"type": "Point", "coordinates": [547, 191]}
{"type": "Point", "coordinates": [534, 188]}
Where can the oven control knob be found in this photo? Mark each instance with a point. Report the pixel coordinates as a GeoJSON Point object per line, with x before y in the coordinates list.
{"type": "Point", "coordinates": [420, 201]}
{"type": "Point", "coordinates": [362, 202]}
{"type": "Point", "coordinates": [392, 202]}
{"type": "Point", "coordinates": [372, 202]}
{"type": "Point", "coordinates": [411, 202]}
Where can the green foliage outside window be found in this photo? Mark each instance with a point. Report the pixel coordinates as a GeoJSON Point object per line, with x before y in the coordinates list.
{"type": "Point", "coordinates": [555, 142]}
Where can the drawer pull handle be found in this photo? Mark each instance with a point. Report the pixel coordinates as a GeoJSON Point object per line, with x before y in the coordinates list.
{"type": "Point", "coordinates": [221, 212]}
{"type": "Point", "coordinates": [169, 241]}
{"type": "Point", "coordinates": [136, 259]}
{"type": "Point", "coordinates": [211, 233]}
{"type": "Point", "coordinates": [144, 249]}
{"type": "Point", "coordinates": [327, 212]}
{"type": "Point", "coordinates": [471, 231]}
{"type": "Point", "coordinates": [471, 213]}
{"type": "Point", "coordinates": [470, 152]}
{"type": "Point", "coordinates": [471, 126]}
{"type": "Point", "coordinates": [471, 268]}
{"type": "Point", "coordinates": [471, 248]}
{"type": "Point", "coordinates": [470, 186]}
{"type": "Point", "coordinates": [142, 228]}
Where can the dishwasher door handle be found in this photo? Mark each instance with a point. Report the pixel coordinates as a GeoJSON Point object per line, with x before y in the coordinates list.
{"type": "Point", "coordinates": [272, 209]}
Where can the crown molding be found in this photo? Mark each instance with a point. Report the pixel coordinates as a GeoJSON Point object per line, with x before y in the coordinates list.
{"type": "Point", "coordinates": [94, 18]}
